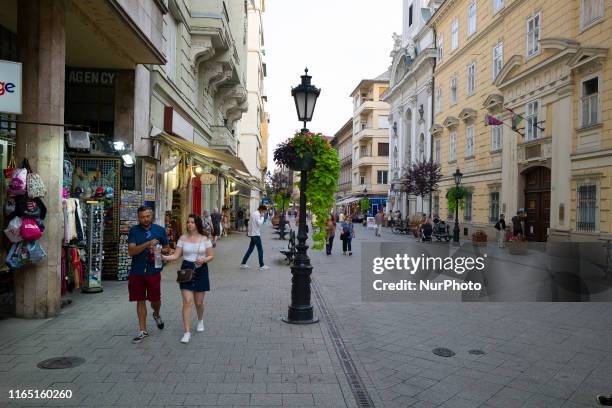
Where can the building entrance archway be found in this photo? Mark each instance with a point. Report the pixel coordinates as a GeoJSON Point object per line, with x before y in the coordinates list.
{"type": "Point", "coordinates": [537, 203]}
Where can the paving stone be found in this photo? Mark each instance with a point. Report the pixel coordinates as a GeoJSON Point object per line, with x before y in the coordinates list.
{"type": "Point", "coordinates": [266, 400]}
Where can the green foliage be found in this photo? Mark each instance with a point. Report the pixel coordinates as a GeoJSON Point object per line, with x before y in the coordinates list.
{"type": "Point", "coordinates": [322, 180]}
{"type": "Point", "coordinates": [456, 196]}
{"type": "Point", "coordinates": [364, 204]}
{"type": "Point", "coordinates": [281, 199]}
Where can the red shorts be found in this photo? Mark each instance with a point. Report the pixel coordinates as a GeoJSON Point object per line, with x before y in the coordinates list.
{"type": "Point", "coordinates": [144, 287]}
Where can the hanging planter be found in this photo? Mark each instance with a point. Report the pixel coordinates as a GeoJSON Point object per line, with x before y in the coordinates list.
{"type": "Point", "coordinates": [313, 154]}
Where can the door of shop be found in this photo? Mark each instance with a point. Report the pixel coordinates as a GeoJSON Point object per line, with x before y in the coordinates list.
{"type": "Point", "coordinates": [537, 203]}
{"type": "Point", "coordinates": [196, 200]}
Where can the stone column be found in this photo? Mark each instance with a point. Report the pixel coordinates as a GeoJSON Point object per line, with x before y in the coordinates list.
{"type": "Point", "coordinates": [561, 166]}
{"type": "Point", "coordinates": [42, 50]}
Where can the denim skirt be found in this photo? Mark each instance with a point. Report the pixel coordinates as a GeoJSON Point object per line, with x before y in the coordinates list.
{"type": "Point", "coordinates": [200, 282]}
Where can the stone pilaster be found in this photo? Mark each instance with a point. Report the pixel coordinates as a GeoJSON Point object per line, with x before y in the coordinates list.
{"type": "Point", "coordinates": [42, 50]}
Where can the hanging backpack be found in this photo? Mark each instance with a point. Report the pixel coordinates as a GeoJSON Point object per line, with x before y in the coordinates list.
{"type": "Point", "coordinates": [35, 186]}
{"type": "Point", "coordinates": [30, 231]}
{"type": "Point", "coordinates": [14, 259]}
{"type": "Point", "coordinates": [13, 230]}
{"type": "Point", "coordinates": [35, 251]}
{"type": "Point", "coordinates": [18, 182]}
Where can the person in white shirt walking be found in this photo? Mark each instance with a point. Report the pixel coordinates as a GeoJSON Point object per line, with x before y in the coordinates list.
{"type": "Point", "coordinates": [254, 232]}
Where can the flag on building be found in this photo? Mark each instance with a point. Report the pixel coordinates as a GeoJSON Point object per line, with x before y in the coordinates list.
{"type": "Point", "coordinates": [516, 119]}
{"type": "Point", "coordinates": [492, 121]}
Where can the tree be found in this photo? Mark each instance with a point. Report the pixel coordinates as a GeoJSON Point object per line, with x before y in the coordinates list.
{"type": "Point", "coordinates": [422, 179]}
{"type": "Point", "coordinates": [280, 185]}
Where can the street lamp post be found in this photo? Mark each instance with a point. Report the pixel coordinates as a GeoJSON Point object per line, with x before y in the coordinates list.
{"type": "Point", "coordinates": [457, 175]}
{"type": "Point", "coordinates": [300, 309]}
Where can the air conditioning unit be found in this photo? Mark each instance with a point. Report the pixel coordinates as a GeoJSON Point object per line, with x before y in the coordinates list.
{"type": "Point", "coordinates": [78, 139]}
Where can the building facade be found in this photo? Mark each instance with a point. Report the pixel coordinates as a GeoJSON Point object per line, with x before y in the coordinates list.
{"type": "Point", "coordinates": [370, 152]}
{"type": "Point", "coordinates": [410, 97]}
{"type": "Point", "coordinates": [343, 143]}
{"type": "Point", "coordinates": [543, 64]}
{"type": "Point", "coordinates": [253, 126]}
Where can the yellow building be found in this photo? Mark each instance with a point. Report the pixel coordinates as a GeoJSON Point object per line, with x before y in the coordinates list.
{"type": "Point", "coordinates": [370, 161]}
{"type": "Point", "coordinates": [545, 61]}
{"type": "Point", "coordinates": [343, 143]}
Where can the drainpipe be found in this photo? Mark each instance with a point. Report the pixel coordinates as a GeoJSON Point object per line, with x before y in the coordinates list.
{"type": "Point", "coordinates": [433, 105]}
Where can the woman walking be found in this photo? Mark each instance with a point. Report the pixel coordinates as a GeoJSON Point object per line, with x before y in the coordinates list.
{"type": "Point", "coordinates": [196, 250]}
{"type": "Point", "coordinates": [330, 228]}
{"type": "Point", "coordinates": [348, 233]}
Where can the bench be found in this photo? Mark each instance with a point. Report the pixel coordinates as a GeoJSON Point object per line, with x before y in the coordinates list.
{"type": "Point", "coordinates": [291, 250]}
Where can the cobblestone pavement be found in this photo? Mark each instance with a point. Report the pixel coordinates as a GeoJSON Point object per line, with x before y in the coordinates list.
{"type": "Point", "coordinates": [246, 357]}
{"type": "Point", "coordinates": [536, 354]}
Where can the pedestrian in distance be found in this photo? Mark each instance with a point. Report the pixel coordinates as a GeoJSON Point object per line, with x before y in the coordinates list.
{"type": "Point", "coordinates": [347, 235]}
{"type": "Point", "coordinates": [330, 229]}
{"type": "Point", "coordinates": [379, 219]}
{"type": "Point", "coordinates": [196, 249]}
{"type": "Point", "coordinates": [146, 242]}
{"type": "Point", "coordinates": [215, 220]}
{"type": "Point", "coordinates": [500, 226]}
{"type": "Point", "coordinates": [254, 233]}
{"type": "Point", "coordinates": [246, 220]}
{"type": "Point", "coordinates": [517, 223]}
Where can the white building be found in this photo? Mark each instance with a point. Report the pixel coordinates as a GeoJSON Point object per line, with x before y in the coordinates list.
{"type": "Point", "coordinates": [252, 145]}
{"type": "Point", "coordinates": [410, 97]}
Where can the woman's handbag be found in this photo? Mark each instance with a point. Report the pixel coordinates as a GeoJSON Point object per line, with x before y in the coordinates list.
{"type": "Point", "coordinates": [186, 275]}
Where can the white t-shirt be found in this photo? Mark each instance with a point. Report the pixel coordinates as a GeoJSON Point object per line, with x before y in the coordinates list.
{"type": "Point", "coordinates": [255, 224]}
{"type": "Point", "coordinates": [191, 251]}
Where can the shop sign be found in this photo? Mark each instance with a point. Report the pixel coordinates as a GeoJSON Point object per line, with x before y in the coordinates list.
{"type": "Point", "coordinates": [90, 77]}
{"type": "Point", "coordinates": [149, 181]}
{"type": "Point", "coordinates": [177, 125]}
{"type": "Point", "coordinates": [10, 87]}
{"type": "Point", "coordinates": [208, 178]}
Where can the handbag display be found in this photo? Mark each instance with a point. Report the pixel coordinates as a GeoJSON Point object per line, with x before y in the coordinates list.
{"type": "Point", "coordinates": [186, 275]}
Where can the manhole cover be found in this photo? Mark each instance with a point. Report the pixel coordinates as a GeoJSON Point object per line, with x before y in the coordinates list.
{"type": "Point", "coordinates": [61, 362]}
{"type": "Point", "coordinates": [443, 352]}
{"type": "Point", "coordinates": [476, 352]}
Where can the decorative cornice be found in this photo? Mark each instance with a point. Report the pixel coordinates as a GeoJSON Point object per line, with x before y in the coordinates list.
{"type": "Point", "coordinates": [586, 55]}
{"type": "Point", "coordinates": [513, 62]}
{"type": "Point", "coordinates": [450, 122]}
{"type": "Point", "coordinates": [202, 49]}
{"type": "Point", "coordinates": [493, 102]}
{"type": "Point", "coordinates": [559, 44]}
{"type": "Point", "coordinates": [435, 129]}
{"type": "Point", "coordinates": [467, 114]}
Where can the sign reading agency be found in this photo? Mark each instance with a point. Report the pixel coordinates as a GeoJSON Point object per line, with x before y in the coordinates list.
{"type": "Point", "coordinates": [10, 87]}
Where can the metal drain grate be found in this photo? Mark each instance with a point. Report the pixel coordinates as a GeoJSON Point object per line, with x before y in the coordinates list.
{"type": "Point", "coordinates": [58, 363]}
{"type": "Point", "coordinates": [362, 397]}
{"type": "Point", "coordinates": [443, 352]}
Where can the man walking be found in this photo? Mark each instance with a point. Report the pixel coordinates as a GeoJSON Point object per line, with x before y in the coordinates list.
{"type": "Point", "coordinates": [500, 226]}
{"type": "Point", "coordinates": [254, 232]}
{"type": "Point", "coordinates": [379, 218]}
{"type": "Point", "coordinates": [144, 278]}
{"type": "Point", "coordinates": [215, 219]}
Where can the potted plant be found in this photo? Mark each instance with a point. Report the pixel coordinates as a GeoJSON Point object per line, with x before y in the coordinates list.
{"type": "Point", "coordinates": [517, 244]}
{"type": "Point", "coordinates": [313, 154]}
{"type": "Point", "coordinates": [479, 238]}
{"type": "Point", "coordinates": [364, 206]}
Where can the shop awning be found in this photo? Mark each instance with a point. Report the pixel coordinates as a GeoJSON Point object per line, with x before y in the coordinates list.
{"type": "Point", "coordinates": [207, 154]}
{"type": "Point", "coordinates": [347, 200]}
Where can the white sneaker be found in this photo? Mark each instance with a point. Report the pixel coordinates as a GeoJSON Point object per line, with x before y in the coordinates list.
{"type": "Point", "coordinates": [264, 268]}
{"type": "Point", "coordinates": [244, 266]}
{"type": "Point", "coordinates": [186, 337]}
{"type": "Point", "coordinates": [200, 326]}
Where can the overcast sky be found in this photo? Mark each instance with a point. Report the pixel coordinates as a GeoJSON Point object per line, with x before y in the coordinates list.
{"type": "Point", "coordinates": [340, 41]}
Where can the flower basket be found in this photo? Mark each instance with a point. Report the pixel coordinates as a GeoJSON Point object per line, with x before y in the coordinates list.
{"type": "Point", "coordinates": [479, 238]}
{"type": "Point", "coordinates": [517, 247]}
{"type": "Point", "coordinates": [302, 164]}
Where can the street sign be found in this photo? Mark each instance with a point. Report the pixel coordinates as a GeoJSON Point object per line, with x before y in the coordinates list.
{"type": "Point", "coordinates": [10, 87]}
{"type": "Point", "coordinates": [208, 178]}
